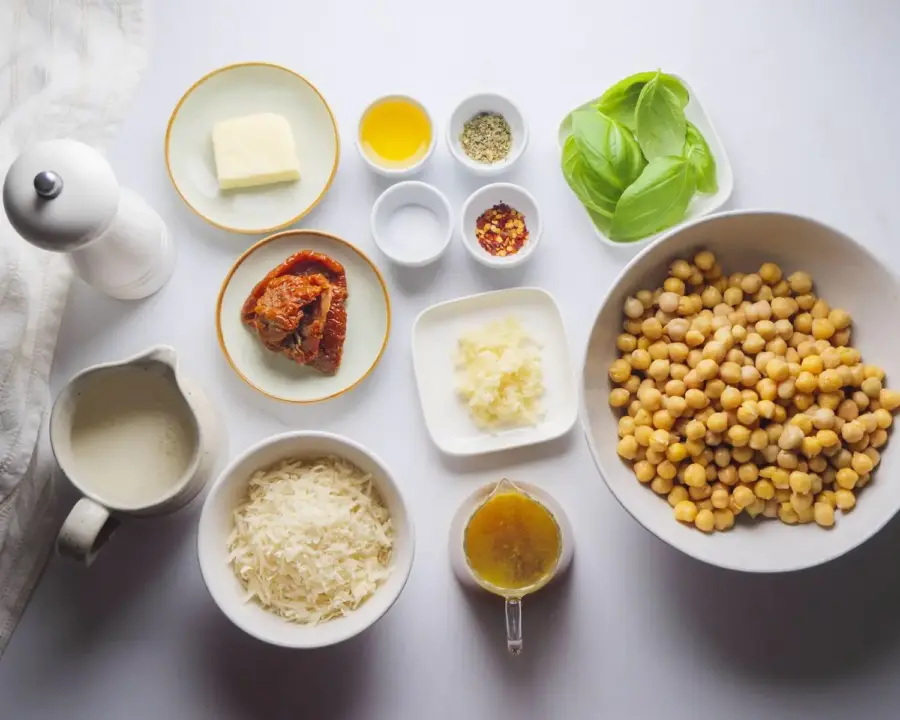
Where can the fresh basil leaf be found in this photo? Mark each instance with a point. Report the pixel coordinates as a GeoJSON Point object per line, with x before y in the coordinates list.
{"type": "Point", "coordinates": [701, 157]}
{"type": "Point", "coordinates": [660, 121]}
{"type": "Point", "coordinates": [601, 221]}
{"type": "Point", "coordinates": [620, 101]}
{"type": "Point", "coordinates": [596, 195]}
{"type": "Point", "coordinates": [658, 199]}
{"type": "Point", "coordinates": [608, 148]}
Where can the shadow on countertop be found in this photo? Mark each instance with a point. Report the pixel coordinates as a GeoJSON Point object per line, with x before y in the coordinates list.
{"type": "Point", "coordinates": [802, 628]}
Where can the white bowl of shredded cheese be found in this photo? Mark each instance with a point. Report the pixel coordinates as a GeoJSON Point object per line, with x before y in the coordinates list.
{"type": "Point", "coordinates": [305, 540]}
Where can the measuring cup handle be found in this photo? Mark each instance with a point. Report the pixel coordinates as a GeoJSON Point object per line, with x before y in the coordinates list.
{"type": "Point", "coordinates": [85, 531]}
{"type": "Point", "coordinates": [514, 625]}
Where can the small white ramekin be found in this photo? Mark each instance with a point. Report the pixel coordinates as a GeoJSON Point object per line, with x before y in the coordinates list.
{"type": "Point", "coordinates": [396, 172]}
{"type": "Point", "coordinates": [485, 198]}
{"type": "Point", "coordinates": [411, 192]}
{"type": "Point", "coordinates": [487, 103]}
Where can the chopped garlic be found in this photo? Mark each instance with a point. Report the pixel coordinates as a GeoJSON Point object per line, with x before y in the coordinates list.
{"type": "Point", "coordinates": [500, 376]}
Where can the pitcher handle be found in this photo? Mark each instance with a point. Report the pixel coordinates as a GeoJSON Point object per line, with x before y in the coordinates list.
{"type": "Point", "coordinates": [85, 531]}
{"type": "Point", "coordinates": [514, 625]}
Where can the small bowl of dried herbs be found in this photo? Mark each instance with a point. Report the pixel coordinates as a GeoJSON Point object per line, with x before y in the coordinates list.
{"type": "Point", "coordinates": [487, 134]}
{"type": "Point", "coordinates": [500, 225]}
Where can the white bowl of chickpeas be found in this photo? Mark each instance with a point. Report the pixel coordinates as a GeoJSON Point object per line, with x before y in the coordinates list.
{"type": "Point", "coordinates": [736, 395]}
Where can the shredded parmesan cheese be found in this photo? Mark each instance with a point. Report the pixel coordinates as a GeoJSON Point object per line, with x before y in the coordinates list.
{"type": "Point", "coordinates": [312, 541]}
{"type": "Point", "coordinates": [500, 376]}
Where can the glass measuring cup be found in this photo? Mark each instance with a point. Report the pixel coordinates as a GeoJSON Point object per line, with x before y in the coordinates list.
{"type": "Point", "coordinates": [512, 547]}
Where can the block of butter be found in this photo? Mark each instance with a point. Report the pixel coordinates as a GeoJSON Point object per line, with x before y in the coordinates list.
{"type": "Point", "coordinates": [254, 150]}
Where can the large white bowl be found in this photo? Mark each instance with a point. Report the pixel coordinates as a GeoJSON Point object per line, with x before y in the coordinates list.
{"type": "Point", "coordinates": [216, 523]}
{"type": "Point", "coordinates": [846, 275]}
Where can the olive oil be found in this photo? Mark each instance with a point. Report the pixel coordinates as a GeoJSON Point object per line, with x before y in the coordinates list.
{"type": "Point", "coordinates": [395, 133]}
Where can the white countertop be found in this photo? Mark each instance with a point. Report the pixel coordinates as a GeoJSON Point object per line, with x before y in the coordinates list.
{"type": "Point", "coordinates": [804, 96]}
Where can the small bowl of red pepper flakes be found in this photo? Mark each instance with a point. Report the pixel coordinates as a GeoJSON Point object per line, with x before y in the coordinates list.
{"type": "Point", "coordinates": [501, 225]}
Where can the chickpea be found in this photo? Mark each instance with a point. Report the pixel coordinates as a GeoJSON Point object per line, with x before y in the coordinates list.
{"type": "Point", "coordinates": [651, 398]}
{"type": "Point", "coordinates": [627, 447]}
{"type": "Point", "coordinates": [685, 511]}
{"type": "Point", "coordinates": [695, 475]}
{"type": "Point", "coordinates": [633, 308]}
{"type": "Point", "coordinates": [759, 439]}
{"type": "Point", "coordinates": [626, 426]}
{"type": "Point", "coordinates": [803, 323]}
{"type": "Point", "coordinates": [753, 344]}
{"type": "Point", "coordinates": [749, 376]}
{"type": "Point", "coordinates": [764, 489]}
{"type": "Point", "coordinates": [829, 381]}
{"type": "Point", "coordinates": [889, 399]}
{"type": "Point", "coordinates": [659, 370]}
{"type": "Point", "coordinates": [742, 454]}
{"type": "Point", "coordinates": [777, 370]}
{"type": "Point", "coordinates": [644, 471]}
{"type": "Point", "coordinates": [820, 309]}
{"type": "Point", "coordinates": [844, 499]}
{"type": "Point", "coordinates": [696, 399]}
{"type": "Point", "coordinates": [823, 513]}
{"type": "Point", "coordinates": [677, 494]}
{"type": "Point", "coordinates": [748, 473]}
{"type": "Point", "coordinates": [853, 431]}
{"type": "Point", "coordinates": [751, 283]}
{"type": "Point", "coordinates": [787, 514]}
{"type": "Point", "coordinates": [705, 520]}
{"type": "Point", "coordinates": [743, 496]}
{"type": "Point", "coordinates": [724, 519]}
{"type": "Point", "coordinates": [678, 353]}
{"type": "Point", "coordinates": [800, 482]}
{"type": "Point", "coordinates": [704, 260]}
{"type": "Point", "coordinates": [728, 475]}
{"type": "Point", "coordinates": [847, 478]}
{"type": "Point", "coordinates": [643, 433]}
{"type": "Point", "coordinates": [801, 501]}
{"type": "Point", "coordinates": [822, 328]}
{"type": "Point", "coordinates": [810, 446]}
{"type": "Point", "coordinates": [661, 486]}
{"type": "Point", "coordinates": [791, 438]}
{"type": "Point", "coordinates": [781, 479]}
{"type": "Point", "coordinates": [787, 460]}
{"type": "Point", "coordinates": [619, 397]}
{"type": "Point", "coordinates": [871, 386]}
{"type": "Point", "coordinates": [738, 435]}
{"type": "Point", "coordinates": [680, 269]}
{"type": "Point", "coordinates": [694, 338]}
{"type": "Point", "coordinates": [800, 282]}
{"type": "Point", "coordinates": [700, 493]}
{"type": "Point", "coordinates": [733, 296]}
{"type": "Point", "coordinates": [748, 413]}
{"type": "Point", "coordinates": [663, 419]}
{"type": "Point", "coordinates": [626, 342]}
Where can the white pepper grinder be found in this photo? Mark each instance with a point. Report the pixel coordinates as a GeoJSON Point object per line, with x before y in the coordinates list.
{"type": "Point", "coordinates": [63, 196]}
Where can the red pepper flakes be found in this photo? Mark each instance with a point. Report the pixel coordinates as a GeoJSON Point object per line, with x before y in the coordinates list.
{"type": "Point", "coordinates": [501, 230]}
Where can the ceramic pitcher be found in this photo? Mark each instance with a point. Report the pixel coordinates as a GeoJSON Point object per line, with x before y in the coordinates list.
{"type": "Point", "coordinates": [95, 516]}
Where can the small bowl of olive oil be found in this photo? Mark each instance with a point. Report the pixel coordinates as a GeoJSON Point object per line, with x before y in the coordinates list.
{"type": "Point", "coordinates": [396, 136]}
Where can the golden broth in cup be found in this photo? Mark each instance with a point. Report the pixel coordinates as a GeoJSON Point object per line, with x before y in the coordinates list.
{"type": "Point", "coordinates": [512, 542]}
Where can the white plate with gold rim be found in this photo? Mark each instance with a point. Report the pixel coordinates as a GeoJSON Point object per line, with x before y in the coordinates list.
{"type": "Point", "coordinates": [435, 338]}
{"type": "Point", "coordinates": [368, 320]}
{"type": "Point", "coordinates": [247, 89]}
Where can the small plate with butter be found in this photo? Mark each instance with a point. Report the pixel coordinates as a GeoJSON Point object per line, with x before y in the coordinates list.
{"type": "Point", "coordinates": [252, 147]}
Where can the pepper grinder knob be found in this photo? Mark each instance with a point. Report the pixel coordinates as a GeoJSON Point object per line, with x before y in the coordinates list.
{"type": "Point", "coordinates": [48, 184]}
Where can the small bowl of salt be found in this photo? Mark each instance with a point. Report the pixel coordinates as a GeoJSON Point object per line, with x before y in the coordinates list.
{"type": "Point", "coordinates": [412, 223]}
{"type": "Point", "coordinates": [487, 134]}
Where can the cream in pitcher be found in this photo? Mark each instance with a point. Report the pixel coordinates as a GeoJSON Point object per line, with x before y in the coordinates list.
{"type": "Point", "coordinates": [136, 438]}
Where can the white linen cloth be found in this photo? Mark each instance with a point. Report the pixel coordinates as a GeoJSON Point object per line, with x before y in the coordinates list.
{"type": "Point", "coordinates": [68, 68]}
